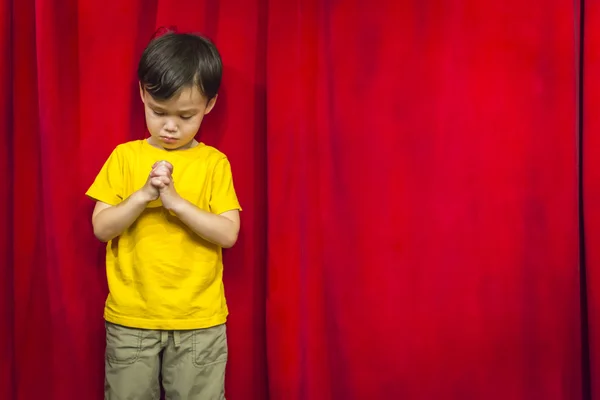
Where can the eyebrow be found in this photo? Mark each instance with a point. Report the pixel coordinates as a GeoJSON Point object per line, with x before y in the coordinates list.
{"type": "Point", "coordinates": [183, 110]}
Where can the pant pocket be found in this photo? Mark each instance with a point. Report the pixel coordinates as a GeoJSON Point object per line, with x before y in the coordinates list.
{"type": "Point", "coordinates": [123, 345]}
{"type": "Point", "coordinates": [209, 346]}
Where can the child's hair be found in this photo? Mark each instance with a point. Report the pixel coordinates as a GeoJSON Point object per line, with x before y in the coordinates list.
{"type": "Point", "coordinates": [174, 61]}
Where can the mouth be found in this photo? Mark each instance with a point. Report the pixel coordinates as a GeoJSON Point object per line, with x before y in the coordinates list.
{"type": "Point", "coordinates": [168, 139]}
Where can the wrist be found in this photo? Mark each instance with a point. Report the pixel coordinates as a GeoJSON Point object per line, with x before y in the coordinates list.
{"type": "Point", "coordinates": [141, 197]}
{"type": "Point", "coordinates": [176, 205]}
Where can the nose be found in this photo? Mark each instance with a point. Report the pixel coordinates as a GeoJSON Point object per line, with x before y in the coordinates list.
{"type": "Point", "coordinates": [170, 126]}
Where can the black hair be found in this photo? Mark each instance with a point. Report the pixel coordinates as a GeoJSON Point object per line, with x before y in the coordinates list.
{"type": "Point", "coordinates": [174, 61]}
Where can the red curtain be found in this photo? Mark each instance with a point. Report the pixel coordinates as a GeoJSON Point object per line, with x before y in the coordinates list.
{"type": "Point", "coordinates": [423, 235]}
{"type": "Point", "coordinates": [408, 171]}
{"type": "Point", "coordinates": [591, 184]}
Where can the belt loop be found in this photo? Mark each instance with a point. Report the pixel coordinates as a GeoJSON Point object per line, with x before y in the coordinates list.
{"type": "Point", "coordinates": [164, 338]}
{"type": "Point", "coordinates": [176, 338]}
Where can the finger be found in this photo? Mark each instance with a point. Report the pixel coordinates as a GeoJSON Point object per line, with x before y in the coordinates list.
{"type": "Point", "coordinates": [162, 163]}
{"type": "Point", "coordinates": [161, 170]}
{"type": "Point", "coordinates": [165, 180]}
{"type": "Point", "coordinates": [167, 165]}
{"type": "Point", "coordinates": [156, 182]}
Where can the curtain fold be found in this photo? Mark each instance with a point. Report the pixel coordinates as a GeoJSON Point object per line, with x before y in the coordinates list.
{"type": "Point", "coordinates": [7, 367]}
{"type": "Point", "coordinates": [590, 142]}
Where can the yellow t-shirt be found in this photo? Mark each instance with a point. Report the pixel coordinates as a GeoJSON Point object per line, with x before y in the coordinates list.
{"type": "Point", "coordinates": [161, 275]}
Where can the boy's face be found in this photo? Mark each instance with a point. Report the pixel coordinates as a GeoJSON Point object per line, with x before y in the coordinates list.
{"type": "Point", "coordinates": [173, 123]}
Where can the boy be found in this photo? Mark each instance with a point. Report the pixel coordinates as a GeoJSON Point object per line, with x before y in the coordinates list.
{"type": "Point", "coordinates": [166, 206]}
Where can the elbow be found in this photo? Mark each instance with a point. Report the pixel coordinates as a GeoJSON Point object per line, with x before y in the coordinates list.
{"type": "Point", "coordinates": [230, 240]}
{"type": "Point", "coordinates": [101, 235]}
{"type": "Point", "coordinates": [102, 238]}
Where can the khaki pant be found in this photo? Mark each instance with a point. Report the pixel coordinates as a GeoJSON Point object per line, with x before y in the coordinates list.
{"type": "Point", "coordinates": [191, 363]}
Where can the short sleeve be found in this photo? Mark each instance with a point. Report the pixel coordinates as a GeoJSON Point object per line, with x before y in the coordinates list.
{"type": "Point", "coordinates": [108, 185]}
{"type": "Point", "coordinates": [223, 197]}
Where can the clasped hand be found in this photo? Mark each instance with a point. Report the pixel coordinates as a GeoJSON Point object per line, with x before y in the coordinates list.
{"type": "Point", "coordinates": [160, 184]}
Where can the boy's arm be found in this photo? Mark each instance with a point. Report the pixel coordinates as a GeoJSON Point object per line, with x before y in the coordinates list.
{"type": "Point", "coordinates": [110, 221]}
{"type": "Point", "coordinates": [220, 229]}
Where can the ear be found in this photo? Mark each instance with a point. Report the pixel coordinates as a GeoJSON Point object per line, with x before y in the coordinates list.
{"type": "Point", "coordinates": [142, 91]}
{"type": "Point", "coordinates": [211, 104]}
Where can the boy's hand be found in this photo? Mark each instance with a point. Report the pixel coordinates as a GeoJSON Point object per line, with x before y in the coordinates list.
{"type": "Point", "coordinates": [162, 180]}
{"type": "Point", "coordinates": [161, 174]}
{"type": "Point", "coordinates": [161, 168]}
{"type": "Point", "coordinates": [149, 191]}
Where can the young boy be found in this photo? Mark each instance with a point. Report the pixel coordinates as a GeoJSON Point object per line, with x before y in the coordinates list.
{"type": "Point", "coordinates": [166, 206]}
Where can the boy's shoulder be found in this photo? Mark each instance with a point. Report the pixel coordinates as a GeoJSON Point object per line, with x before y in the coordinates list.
{"type": "Point", "coordinates": [132, 145]}
{"type": "Point", "coordinates": [212, 152]}
{"type": "Point", "coordinates": [127, 149]}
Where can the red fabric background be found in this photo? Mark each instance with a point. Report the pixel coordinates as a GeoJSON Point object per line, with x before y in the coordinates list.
{"type": "Point", "coordinates": [591, 184]}
{"type": "Point", "coordinates": [423, 235]}
{"type": "Point", "coordinates": [408, 173]}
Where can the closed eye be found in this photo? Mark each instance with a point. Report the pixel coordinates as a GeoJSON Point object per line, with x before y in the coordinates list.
{"type": "Point", "coordinates": [158, 113]}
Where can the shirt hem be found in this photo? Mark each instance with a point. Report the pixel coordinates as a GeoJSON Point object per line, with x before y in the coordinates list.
{"type": "Point", "coordinates": [100, 196]}
{"type": "Point", "coordinates": [159, 324]}
{"type": "Point", "coordinates": [222, 210]}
